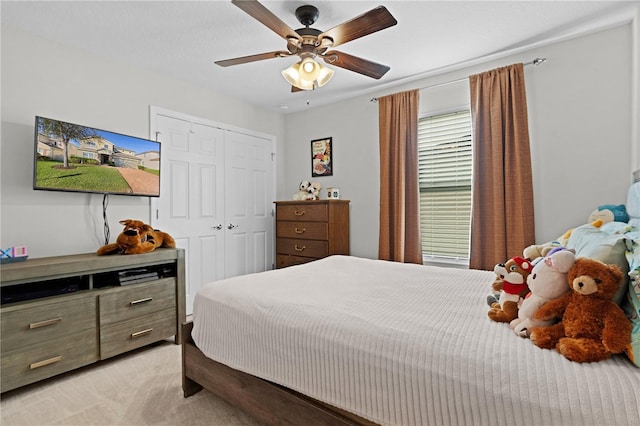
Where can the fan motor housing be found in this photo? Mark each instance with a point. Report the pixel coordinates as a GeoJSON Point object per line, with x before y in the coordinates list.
{"type": "Point", "coordinates": [307, 14]}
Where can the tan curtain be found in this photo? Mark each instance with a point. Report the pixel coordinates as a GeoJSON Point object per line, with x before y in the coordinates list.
{"type": "Point", "coordinates": [502, 223]}
{"type": "Point", "coordinates": [399, 196]}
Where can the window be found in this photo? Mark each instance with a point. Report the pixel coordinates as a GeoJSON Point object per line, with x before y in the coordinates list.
{"type": "Point", "coordinates": [444, 169]}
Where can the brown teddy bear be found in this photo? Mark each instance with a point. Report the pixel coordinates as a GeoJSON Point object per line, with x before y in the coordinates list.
{"type": "Point", "coordinates": [511, 282]}
{"type": "Point", "coordinates": [592, 326]}
{"type": "Point", "coordinates": [136, 238]}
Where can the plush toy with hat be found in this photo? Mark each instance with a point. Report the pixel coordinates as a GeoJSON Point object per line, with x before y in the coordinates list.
{"type": "Point", "coordinates": [511, 282]}
{"type": "Point", "coordinates": [547, 281]}
{"type": "Point", "coordinates": [592, 326]}
{"type": "Point", "coordinates": [136, 238]}
{"type": "Point", "coordinates": [610, 213]}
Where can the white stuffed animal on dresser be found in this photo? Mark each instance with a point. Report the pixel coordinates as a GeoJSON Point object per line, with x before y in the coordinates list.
{"type": "Point", "coordinates": [305, 191]}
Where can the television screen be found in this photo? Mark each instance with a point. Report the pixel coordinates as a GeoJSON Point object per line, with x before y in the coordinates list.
{"type": "Point", "coordinates": [71, 157]}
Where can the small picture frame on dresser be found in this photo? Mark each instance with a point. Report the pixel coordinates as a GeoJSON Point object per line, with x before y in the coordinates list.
{"type": "Point", "coordinates": [321, 157]}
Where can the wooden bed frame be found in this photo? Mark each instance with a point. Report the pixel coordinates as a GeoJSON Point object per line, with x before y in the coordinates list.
{"type": "Point", "coordinates": [268, 402]}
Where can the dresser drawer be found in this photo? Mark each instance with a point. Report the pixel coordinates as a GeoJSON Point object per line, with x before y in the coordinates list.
{"type": "Point", "coordinates": [284, 260]}
{"type": "Point", "coordinates": [302, 212]}
{"type": "Point", "coordinates": [303, 230]}
{"type": "Point", "coordinates": [44, 360]}
{"type": "Point", "coordinates": [26, 324]}
{"type": "Point", "coordinates": [124, 303]}
{"type": "Point", "coordinates": [306, 248]}
{"type": "Point", "coordinates": [137, 332]}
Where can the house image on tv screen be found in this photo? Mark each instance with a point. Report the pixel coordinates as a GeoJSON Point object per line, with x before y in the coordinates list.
{"type": "Point", "coordinates": [98, 150]}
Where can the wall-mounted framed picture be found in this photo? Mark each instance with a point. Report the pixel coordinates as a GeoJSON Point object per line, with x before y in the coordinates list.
{"type": "Point", "coordinates": [321, 157]}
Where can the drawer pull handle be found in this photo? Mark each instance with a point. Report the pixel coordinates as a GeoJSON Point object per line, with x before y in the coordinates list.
{"type": "Point", "coordinates": [296, 248]}
{"type": "Point", "coordinates": [44, 323]}
{"type": "Point", "coordinates": [141, 333]}
{"type": "Point", "coordinates": [45, 362]}
{"type": "Point", "coordinates": [140, 301]}
{"type": "Point", "coordinates": [298, 231]}
{"type": "Point", "coordinates": [297, 213]}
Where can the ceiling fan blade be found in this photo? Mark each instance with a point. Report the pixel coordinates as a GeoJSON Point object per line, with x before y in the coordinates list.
{"type": "Point", "coordinates": [374, 20]}
{"type": "Point", "coordinates": [267, 18]}
{"type": "Point", "coordinates": [353, 63]}
{"type": "Point", "coordinates": [253, 58]}
{"type": "Point", "coordinates": [295, 89]}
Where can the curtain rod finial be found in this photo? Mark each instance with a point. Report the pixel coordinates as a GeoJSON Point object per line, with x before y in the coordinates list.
{"type": "Point", "coordinates": [538, 61]}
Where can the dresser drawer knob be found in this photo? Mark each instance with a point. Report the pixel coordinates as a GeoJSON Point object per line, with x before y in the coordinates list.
{"type": "Point", "coordinates": [45, 323]}
{"type": "Point", "coordinates": [140, 301]}
{"type": "Point", "coordinates": [141, 333]}
{"type": "Point", "coordinates": [45, 362]}
{"type": "Point", "coordinates": [300, 231]}
{"type": "Point", "coordinates": [296, 248]}
{"type": "Point", "coordinates": [297, 213]}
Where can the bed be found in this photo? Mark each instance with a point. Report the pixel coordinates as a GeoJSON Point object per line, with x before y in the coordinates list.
{"type": "Point", "coordinates": [347, 340]}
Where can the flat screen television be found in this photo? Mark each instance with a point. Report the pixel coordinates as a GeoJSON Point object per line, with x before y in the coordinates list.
{"type": "Point", "coordinates": [76, 158]}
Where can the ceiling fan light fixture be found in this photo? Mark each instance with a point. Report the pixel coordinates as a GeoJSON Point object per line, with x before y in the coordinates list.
{"type": "Point", "coordinates": [309, 69]}
{"type": "Point", "coordinates": [292, 74]}
{"type": "Point", "coordinates": [307, 73]}
{"type": "Point", "coordinates": [324, 75]}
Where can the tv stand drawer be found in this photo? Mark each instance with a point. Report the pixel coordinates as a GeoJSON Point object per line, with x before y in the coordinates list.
{"type": "Point", "coordinates": [37, 362]}
{"type": "Point", "coordinates": [33, 322]}
{"type": "Point", "coordinates": [137, 332]}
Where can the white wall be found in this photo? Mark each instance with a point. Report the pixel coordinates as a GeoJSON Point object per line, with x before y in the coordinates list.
{"type": "Point", "coordinates": [43, 78]}
{"type": "Point", "coordinates": [580, 126]}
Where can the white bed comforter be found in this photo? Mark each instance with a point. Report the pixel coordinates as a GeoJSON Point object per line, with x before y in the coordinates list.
{"type": "Point", "coordinates": [403, 344]}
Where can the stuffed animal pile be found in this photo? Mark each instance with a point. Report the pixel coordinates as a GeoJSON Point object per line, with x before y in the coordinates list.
{"type": "Point", "coordinates": [592, 327]}
{"type": "Point", "coordinates": [572, 305]}
{"type": "Point", "coordinates": [136, 238]}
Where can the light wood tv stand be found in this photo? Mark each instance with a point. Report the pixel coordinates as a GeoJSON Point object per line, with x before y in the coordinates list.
{"type": "Point", "coordinates": [61, 313]}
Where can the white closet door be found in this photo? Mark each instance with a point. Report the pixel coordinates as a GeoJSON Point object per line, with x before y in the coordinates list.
{"type": "Point", "coordinates": [248, 204]}
{"type": "Point", "coordinates": [216, 197]}
{"type": "Point", "coordinates": [191, 203]}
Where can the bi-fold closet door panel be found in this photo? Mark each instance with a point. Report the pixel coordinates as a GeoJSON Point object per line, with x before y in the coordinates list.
{"type": "Point", "coordinates": [216, 197]}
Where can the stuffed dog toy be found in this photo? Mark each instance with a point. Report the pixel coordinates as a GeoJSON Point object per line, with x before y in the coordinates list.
{"type": "Point", "coordinates": [136, 238]}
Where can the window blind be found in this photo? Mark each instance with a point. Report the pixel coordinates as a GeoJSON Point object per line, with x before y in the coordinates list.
{"type": "Point", "coordinates": [444, 167]}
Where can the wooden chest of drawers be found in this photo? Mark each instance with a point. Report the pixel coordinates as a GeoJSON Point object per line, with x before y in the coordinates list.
{"type": "Point", "coordinates": [310, 230]}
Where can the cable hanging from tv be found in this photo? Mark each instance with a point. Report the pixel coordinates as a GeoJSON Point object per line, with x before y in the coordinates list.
{"type": "Point", "coordinates": [107, 233]}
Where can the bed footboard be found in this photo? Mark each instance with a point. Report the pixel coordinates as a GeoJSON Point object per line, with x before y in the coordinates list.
{"type": "Point", "coordinates": [263, 400]}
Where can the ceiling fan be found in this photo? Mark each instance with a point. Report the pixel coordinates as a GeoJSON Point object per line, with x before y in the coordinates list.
{"type": "Point", "coordinates": [309, 43]}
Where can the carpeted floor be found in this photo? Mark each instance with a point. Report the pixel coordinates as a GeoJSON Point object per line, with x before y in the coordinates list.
{"type": "Point", "coordinates": [139, 388]}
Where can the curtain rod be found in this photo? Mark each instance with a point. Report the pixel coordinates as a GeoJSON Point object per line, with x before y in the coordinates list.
{"type": "Point", "coordinates": [535, 62]}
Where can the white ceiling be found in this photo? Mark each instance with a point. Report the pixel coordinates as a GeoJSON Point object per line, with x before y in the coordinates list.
{"type": "Point", "coordinates": [182, 39]}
